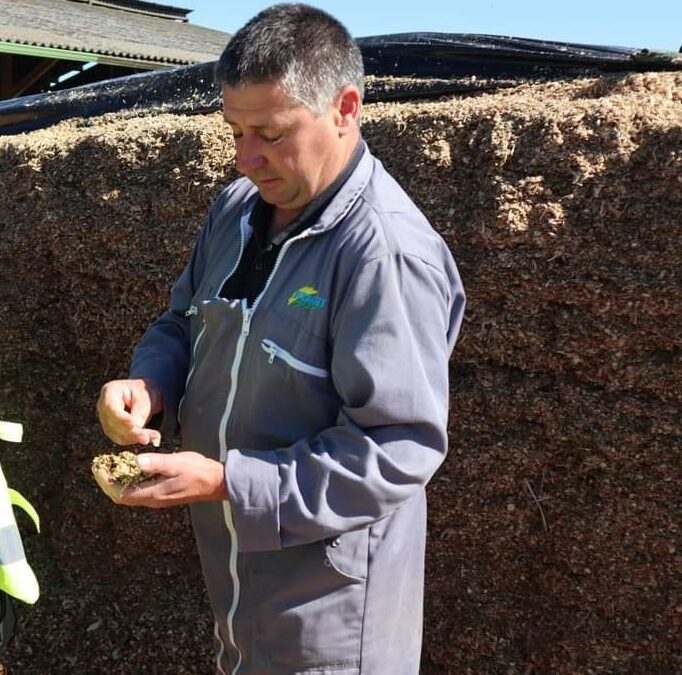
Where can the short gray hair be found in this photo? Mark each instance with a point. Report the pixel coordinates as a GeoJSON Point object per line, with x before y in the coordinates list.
{"type": "Point", "coordinates": [305, 49]}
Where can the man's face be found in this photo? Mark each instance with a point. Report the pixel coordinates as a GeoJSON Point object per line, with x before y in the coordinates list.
{"type": "Point", "coordinates": [289, 154]}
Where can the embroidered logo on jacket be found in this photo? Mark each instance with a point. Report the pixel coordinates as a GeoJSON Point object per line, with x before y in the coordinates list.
{"type": "Point", "coordinates": [308, 298]}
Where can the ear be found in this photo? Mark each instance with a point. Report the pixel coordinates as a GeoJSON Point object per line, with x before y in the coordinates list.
{"type": "Point", "coordinates": [348, 107]}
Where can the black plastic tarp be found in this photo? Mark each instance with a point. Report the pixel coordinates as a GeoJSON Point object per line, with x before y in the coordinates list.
{"type": "Point", "coordinates": [452, 55]}
{"type": "Point", "coordinates": [435, 63]}
{"type": "Point", "coordinates": [188, 89]}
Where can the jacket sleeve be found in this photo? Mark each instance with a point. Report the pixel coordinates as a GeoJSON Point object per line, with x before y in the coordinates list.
{"type": "Point", "coordinates": [391, 340]}
{"type": "Point", "coordinates": [163, 353]}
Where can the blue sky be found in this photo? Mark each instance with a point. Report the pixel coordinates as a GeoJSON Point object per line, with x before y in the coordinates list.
{"type": "Point", "coordinates": [655, 24]}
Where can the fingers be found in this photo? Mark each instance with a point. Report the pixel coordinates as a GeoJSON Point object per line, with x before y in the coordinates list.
{"type": "Point", "coordinates": [124, 406]}
{"type": "Point", "coordinates": [114, 402]}
{"type": "Point", "coordinates": [146, 436]}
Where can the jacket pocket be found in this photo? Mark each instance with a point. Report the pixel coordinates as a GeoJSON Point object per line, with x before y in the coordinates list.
{"type": "Point", "coordinates": [309, 612]}
{"type": "Point", "coordinates": [348, 554]}
{"type": "Point", "coordinates": [274, 351]}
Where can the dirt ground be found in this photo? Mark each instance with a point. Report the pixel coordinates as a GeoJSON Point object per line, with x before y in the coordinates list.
{"type": "Point", "coordinates": [554, 543]}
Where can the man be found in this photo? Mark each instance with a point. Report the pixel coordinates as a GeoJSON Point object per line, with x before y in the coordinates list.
{"type": "Point", "coordinates": [305, 358]}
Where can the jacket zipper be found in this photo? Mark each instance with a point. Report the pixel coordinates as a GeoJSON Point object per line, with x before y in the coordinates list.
{"type": "Point", "coordinates": [275, 351]}
{"type": "Point", "coordinates": [227, 511]}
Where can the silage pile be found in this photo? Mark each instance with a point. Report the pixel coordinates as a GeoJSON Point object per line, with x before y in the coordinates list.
{"type": "Point", "coordinates": [555, 522]}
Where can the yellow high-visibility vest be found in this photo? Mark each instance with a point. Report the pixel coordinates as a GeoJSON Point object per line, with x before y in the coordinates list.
{"type": "Point", "coordinates": [16, 577]}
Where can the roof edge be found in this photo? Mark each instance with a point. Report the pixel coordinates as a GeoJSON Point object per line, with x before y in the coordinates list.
{"type": "Point", "coordinates": [141, 7]}
{"type": "Point", "coordinates": [40, 51]}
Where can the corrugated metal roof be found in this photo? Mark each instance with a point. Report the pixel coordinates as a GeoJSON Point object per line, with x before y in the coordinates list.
{"type": "Point", "coordinates": [82, 27]}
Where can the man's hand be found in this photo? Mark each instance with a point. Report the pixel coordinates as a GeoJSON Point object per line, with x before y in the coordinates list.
{"type": "Point", "coordinates": [124, 407]}
{"type": "Point", "coordinates": [178, 478]}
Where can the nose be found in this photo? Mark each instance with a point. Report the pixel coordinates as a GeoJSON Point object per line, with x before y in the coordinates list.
{"type": "Point", "coordinates": [249, 155]}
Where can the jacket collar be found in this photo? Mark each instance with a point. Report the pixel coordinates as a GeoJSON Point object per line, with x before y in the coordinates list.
{"type": "Point", "coordinates": [344, 199]}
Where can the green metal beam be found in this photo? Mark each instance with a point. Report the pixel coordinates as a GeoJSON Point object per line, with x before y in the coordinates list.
{"type": "Point", "coordinates": [74, 55]}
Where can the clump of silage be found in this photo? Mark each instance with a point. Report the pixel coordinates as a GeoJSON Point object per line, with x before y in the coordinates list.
{"type": "Point", "coordinates": [120, 467]}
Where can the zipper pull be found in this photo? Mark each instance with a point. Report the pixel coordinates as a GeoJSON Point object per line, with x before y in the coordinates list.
{"type": "Point", "coordinates": [192, 311]}
{"type": "Point", "coordinates": [268, 349]}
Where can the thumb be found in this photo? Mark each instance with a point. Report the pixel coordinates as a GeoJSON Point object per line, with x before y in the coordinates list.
{"type": "Point", "coordinates": [154, 463]}
{"type": "Point", "coordinates": [140, 410]}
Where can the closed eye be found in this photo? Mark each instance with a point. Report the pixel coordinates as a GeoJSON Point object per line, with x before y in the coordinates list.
{"type": "Point", "coordinates": [273, 140]}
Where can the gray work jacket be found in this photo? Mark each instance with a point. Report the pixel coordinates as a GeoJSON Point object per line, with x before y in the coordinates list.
{"type": "Point", "coordinates": [327, 402]}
